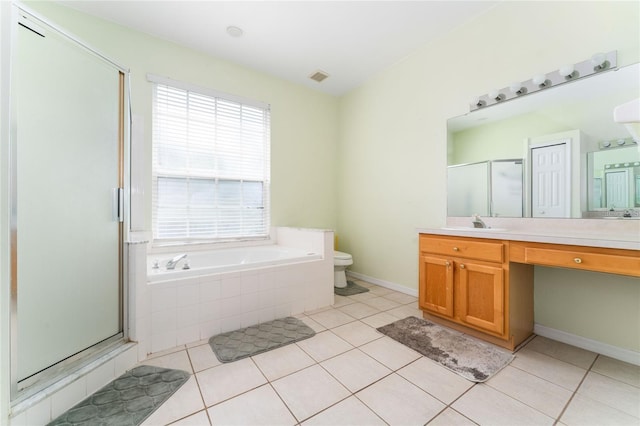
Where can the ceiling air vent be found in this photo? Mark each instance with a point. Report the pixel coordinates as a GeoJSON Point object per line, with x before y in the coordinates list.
{"type": "Point", "coordinates": [318, 76]}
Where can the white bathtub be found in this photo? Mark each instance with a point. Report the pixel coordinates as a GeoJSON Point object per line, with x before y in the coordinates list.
{"type": "Point", "coordinates": [228, 289]}
{"type": "Point", "coordinates": [225, 260]}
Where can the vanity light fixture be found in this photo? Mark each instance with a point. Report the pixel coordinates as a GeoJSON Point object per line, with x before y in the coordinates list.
{"type": "Point", "coordinates": [571, 72]}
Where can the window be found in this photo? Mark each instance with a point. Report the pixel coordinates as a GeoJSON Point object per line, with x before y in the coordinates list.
{"type": "Point", "coordinates": [210, 164]}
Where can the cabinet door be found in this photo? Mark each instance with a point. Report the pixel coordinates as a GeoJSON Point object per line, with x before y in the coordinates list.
{"type": "Point", "coordinates": [481, 296]}
{"type": "Point", "coordinates": [436, 285]}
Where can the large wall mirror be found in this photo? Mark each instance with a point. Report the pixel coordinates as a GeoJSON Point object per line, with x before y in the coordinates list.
{"type": "Point", "coordinates": [553, 153]}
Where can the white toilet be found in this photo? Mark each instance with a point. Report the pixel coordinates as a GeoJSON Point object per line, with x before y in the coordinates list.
{"type": "Point", "coordinates": [340, 262]}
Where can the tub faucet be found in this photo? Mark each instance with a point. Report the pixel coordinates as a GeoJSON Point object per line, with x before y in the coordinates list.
{"type": "Point", "coordinates": [173, 262]}
{"type": "Point", "coordinates": [478, 223]}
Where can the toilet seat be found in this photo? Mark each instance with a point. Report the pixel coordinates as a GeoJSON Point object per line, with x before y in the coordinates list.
{"type": "Point", "coordinates": [341, 256]}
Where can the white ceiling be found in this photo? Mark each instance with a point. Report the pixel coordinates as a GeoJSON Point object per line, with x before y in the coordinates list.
{"type": "Point", "coordinates": [350, 40]}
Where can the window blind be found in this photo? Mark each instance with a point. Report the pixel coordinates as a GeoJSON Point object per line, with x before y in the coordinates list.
{"type": "Point", "coordinates": [210, 165]}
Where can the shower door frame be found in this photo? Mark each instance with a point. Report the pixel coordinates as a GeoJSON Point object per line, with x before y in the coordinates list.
{"type": "Point", "coordinates": [21, 390]}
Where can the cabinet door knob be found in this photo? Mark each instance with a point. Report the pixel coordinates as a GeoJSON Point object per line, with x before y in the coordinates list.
{"type": "Point", "coordinates": [447, 263]}
{"type": "Point", "coordinates": [456, 249]}
{"type": "Point", "coordinates": [577, 260]}
{"type": "Point", "coordinates": [462, 266]}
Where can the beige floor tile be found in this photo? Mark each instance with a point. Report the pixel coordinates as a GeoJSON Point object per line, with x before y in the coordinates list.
{"type": "Point", "coordinates": [450, 417]}
{"type": "Point", "coordinates": [228, 380]}
{"type": "Point", "coordinates": [390, 353]}
{"type": "Point", "coordinates": [404, 311]}
{"type": "Point", "coordinates": [324, 346]}
{"type": "Point", "coordinates": [363, 296]}
{"type": "Point", "coordinates": [355, 369]}
{"type": "Point", "coordinates": [584, 411]}
{"type": "Point", "coordinates": [614, 393]}
{"type": "Point", "coordinates": [184, 402]}
{"type": "Point", "coordinates": [381, 303]}
{"type": "Point", "coordinates": [567, 353]}
{"type": "Point", "coordinates": [341, 301]}
{"type": "Point", "coordinates": [359, 310]}
{"type": "Point", "coordinates": [177, 360]}
{"type": "Point", "coordinates": [309, 391]}
{"type": "Point", "coordinates": [619, 370]}
{"type": "Point", "coordinates": [198, 419]}
{"type": "Point", "coordinates": [357, 333]}
{"type": "Point", "coordinates": [202, 357]}
{"type": "Point", "coordinates": [282, 361]}
{"type": "Point", "coordinates": [351, 412]}
{"type": "Point", "coordinates": [379, 290]}
{"type": "Point", "coordinates": [559, 372]}
{"type": "Point", "coordinates": [378, 320]}
{"type": "Point", "coordinates": [401, 298]}
{"type": "Point", "coordinates": [435, 379]}
{"type": "Point", "coordinates": [538, 393]}
{"type": "Point", "coordinates": [399, 402]}
{"type": "Point", "coordinates": [332, 318]}
{"type": "Point", "coordinates": [485, 405]}
{"type": "Point", "coordinates": [261, 406]}
{"type": "Point", "coordinates": [314, 325]}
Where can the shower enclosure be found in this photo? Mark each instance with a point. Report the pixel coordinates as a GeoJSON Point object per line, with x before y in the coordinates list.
{"type": "Point", "coordinates": [69, 122]}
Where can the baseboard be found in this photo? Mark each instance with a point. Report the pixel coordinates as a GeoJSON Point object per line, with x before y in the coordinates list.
{"type": "Point", "coordinates": [621, 354]}
{"type": "Point", "coordinates": [383, 283]}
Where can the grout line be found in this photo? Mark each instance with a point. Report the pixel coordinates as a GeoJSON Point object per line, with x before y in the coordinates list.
{"type": "Point", "coordinates": [575, 392]}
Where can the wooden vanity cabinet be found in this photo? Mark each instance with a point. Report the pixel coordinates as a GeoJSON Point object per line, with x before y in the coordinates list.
{"type": "Point", "coordinates": [468, 284]}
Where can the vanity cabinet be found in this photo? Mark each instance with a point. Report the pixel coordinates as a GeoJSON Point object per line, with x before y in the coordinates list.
{"type": "Point", "coordinates": [466, 284]}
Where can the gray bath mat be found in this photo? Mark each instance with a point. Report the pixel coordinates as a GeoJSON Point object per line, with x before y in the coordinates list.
{"type": "Point", "coordinates": [128, 400]}
{"type": "Point", "coordinates": [351, 289]}
{"type": "Point", "coordinates": [238, 344]}
{"type": "Point", "coordinates": [469, 357]}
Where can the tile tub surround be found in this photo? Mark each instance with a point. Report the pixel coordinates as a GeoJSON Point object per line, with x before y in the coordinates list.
{"type": "Point", "coordinates": [195, 308]}
{"type": "Point", "coordinates": [351, 374]}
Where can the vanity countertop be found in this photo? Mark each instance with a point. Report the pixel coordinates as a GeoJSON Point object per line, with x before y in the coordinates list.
{"type": "Point", "coordinates": [583, 232]}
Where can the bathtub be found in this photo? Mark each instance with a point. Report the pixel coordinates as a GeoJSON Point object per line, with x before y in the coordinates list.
{"type": "Point", "coordinates": [232, 288]}
{"type": "Point", "coordinates": [225, 260]}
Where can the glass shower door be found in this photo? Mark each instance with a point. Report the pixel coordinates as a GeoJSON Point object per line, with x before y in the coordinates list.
{"type": "Point", "coordinates": [67, 244]}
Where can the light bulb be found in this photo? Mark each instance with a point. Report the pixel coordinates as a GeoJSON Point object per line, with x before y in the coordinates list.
{"type": "Point", "coordinates": [496, 95]}
{"type": "Point", "coordinates": [540, 80]}
{"type": "Point", "coordinates": [476, 101]}
{"type": "Point", "coordinates": [516, 87]}
{"type": "Point", "coordinates": [598, 60]}
{"type": "Point", "coordinates": [567, 71]}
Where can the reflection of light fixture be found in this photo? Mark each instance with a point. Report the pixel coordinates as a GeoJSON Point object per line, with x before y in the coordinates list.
{"type": "Point", "coordinates": [599, 62]}
{"type": "Point", "coordinates": [568, 71]}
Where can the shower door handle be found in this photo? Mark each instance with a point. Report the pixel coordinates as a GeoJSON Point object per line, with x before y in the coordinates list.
{"type": "Point", "coordinates": [118, 204]}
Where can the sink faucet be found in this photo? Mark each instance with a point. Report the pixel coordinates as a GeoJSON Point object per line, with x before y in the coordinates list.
{"type": "Point", "coordinates": [477, 222]}
{"type": "Point", "coordinates": [173, 262]}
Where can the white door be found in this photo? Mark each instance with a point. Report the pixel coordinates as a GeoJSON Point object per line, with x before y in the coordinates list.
{"type": "Point", "coordinates": [617, 189]}
{"type": "Point", "coordinates": [549, 178]}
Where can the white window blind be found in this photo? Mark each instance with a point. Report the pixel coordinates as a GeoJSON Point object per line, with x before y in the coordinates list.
{"type": "Point", "coordinates": [210, 165]}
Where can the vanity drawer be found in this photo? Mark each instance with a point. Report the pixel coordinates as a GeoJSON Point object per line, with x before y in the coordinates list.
{"type": "Point", "coordinates": [615, 263]}
{"type": "Point", "coordinates": [469, 248]}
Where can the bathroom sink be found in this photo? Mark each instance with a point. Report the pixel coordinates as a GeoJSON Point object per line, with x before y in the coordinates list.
{"type": "Point", "coordinates": [472, 229]}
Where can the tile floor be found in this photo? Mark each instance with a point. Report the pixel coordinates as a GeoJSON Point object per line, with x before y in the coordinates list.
{"type": "Point", "coordinates": [351, 374]}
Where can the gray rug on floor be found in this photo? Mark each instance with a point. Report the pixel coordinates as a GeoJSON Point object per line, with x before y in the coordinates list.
{"type": "Point", "coordinates": [467, 356]}
{"type": "Point", "coordinates": [249, 341]}
{"type": "Point", "coordinates": [351, 289]}
{"type": "Point", "coordinates": [128, 400]}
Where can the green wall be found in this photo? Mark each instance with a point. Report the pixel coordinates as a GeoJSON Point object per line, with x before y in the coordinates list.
{"type": "Point", "coordinates": [372, 164]}
{"type": "Point", "coordinates": [394, 153]}
{"type": "Point", "coordinates": [303, 121]}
